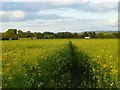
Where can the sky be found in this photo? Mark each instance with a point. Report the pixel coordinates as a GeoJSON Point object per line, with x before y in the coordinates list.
{"type": "Point", "coordinates": [59, 15]}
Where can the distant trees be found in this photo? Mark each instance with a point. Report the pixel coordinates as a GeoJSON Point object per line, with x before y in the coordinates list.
{"type": "Point", "coordinates": [38, 35]}
{"type": "Point", "coordinates": [13, 34]}
{"type": "Point", "coordinates": [29, 34]}
{"type": "Point", "coordinates": [93, 34]}
{"type": "Point", "coordinates": [60, 35]}
{"type": "Point", "coordinates": [75, 35]}
{"type": "Point", "coordinates": [48, 35]}
{"type": "Point", "coordinates": [21, 34]}
{"type": "Point", "coordinates": [115, 35]}
{"type": "Point", "coordinates": [4, 36]}
{"type": "Point", "coordinates": [107, 35]}
{"type": "Point", "coordinates": [89, 34]}
{"type": "Point", "coordinates": [10, 34]}
{"type": "Point", "coordinates": [85, 34]}
{"type": "Point", "coordinates": [64, 35]}
{"type": "Point", "coordinates": [100, 35]}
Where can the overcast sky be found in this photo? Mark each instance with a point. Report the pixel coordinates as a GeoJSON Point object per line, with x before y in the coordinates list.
{"type": "Point", "coordinates": [59, 15]}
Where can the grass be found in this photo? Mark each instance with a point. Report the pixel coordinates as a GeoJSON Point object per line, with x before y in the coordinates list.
{"type": "Point", "coordinates": [50, 63]}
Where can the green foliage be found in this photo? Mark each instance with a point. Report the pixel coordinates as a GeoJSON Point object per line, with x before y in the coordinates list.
{"type": "Point", "coordinates": [38, 35]}
{"type": "Point", "coordinates": [103, 58]}
{"type": "Point", "coordinates": [11, 32]}
{"type": "Point", "coordinates": [5, 38]}
{"type": "Point", "coordinates": [85, 34]}
{"type": "Point", "coordinates": [21, 34]}
{"type": "Point", "coordinates": [64, 35]}
{"type": "Point", "coordinates": [29, 34]}
{"type": "Point", "coordinates": [48, 36]}
{"type": "Point", "coordinates": [75, 35]}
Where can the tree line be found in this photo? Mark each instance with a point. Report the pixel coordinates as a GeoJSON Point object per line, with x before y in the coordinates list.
{"type": "Point", "coordinates": [14, 34]}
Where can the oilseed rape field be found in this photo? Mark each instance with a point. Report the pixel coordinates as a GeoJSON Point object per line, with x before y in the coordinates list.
{"type": "Point", "coordinates": [60, 63]}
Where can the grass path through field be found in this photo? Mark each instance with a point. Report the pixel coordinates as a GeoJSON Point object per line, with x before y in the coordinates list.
{"type": "Point", "coordinates": [80, 68]}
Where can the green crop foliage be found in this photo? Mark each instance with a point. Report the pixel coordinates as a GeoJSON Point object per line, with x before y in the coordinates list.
{"type": "Point", "coordinates": [55, 63]}
{"type": "Point", "coordinates": [103, 59]}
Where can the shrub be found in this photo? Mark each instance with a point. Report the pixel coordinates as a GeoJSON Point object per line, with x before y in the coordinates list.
{"type": "Point", "coordinates": [5, 38]}
{"type": "Point", "coordinates": [14, 38]}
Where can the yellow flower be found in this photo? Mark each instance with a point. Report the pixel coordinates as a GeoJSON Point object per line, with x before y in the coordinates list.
{"type": "Point", "coordinates": [9, 78]}
{"type": "Point", "coordinates": [104, 65]}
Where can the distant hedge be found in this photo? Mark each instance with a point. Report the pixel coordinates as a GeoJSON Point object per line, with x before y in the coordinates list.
{"type": "Point", "coordinates": [14, 38]}
{"type": "Point", "coordinates": [14, 34]}
{"type": "Point", "coordinates": [9, 39]}
{"type": "Point", "coordinates": [5, 38]}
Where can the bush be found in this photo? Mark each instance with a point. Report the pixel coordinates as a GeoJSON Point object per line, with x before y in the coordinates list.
{"type": "Point", "coordinates": [14, 38]}
{"type": "Point", "coordinates": [5, 38]}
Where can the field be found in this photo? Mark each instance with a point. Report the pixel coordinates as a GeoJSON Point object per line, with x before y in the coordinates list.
{"type": "Point", "coordinates": [60, 63]}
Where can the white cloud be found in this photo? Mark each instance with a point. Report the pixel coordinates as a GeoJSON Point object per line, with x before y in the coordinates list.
{"type": "Point", "coordinates": [112, 22]}
{"type": "Point", "coordinates": [59, 1]}
{"type": "Point", "coordinates": [77, 14]}
{"type": "Point", "coordinates": [48, 12]}
{"type": "Point", "coordinates": [59, 25]}
{"type": "Point", "coordinates": [64, 1]}
{"type": "Point", "coordinates": [12, 15]}
{"type": "Point", "coordinates": [108, 1]}
{"type": "Point", "coordinates": [69, 1]}
{"type": "Point", "coordinates": [104, 5]}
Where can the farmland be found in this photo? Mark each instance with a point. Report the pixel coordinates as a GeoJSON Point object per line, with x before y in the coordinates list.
{"type": "Point", "coordinates": [60, 63]}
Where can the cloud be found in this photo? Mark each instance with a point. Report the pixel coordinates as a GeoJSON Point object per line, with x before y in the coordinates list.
{"type": "Point", "coordinates": [70, 13]}
{"type": "Point", "coordinates": [54, 1]}
{"type": "Point", "coordinates": [58, 15]}
{"type": "Point", "coordinates": [104, 6]}
{"type": "Point", "coordinates": [99, 1]}
{"type": "Point", "coordinates": [84, 5]}
{"type": "Point", "coordinates": [23, 6]}
{"type": "Point", "coordinates": [112, 22]}
{"type": "Point", "coordinates": [22, 11]}
{"type": "Point", "coordinates": [12, 15]}
{"type": "Point", "coordinates": [60, 1]}
{"type": "Point", "coordinates": [69, 1]}
{"type": "Point", "coordinates": [72, 25]}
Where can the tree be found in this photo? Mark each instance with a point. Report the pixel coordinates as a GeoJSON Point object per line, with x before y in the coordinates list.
{"type": "Point", "coordinates": [51, 36]}
{"type": "Point", "coordinates": [85, 34]}
{"type": "Point", "coordinates": [94, 34]}
{"type": "Point", "coordinates": [67, 34]}
{"type": "Point", "coordinates": [100, 35]}
{"type": "Point", "coordinates": [75, 35]}
{"type": "Point", "coordinates": [38, 35]}
{"type": "Point", "coordinates": [60, 35]}
{"type": "Point", "coordinates": [115, 35]}
{"type": "Point", "coordinates": [11, 32]}
{"type": "Point", "coordinates": [64, 35]}
{"type": "Point", "coordinates": [14, 37]}
{"type": "Point", "coordinates": [118, 34]}
{"type": "Point", "coordinates": [4, 36]}
{"type": "Point", "coordinates": [90, 34]}
{"type": "Point", "coordinates": [48, 35]}
{"type": "Point", "coordinates": [28, 34]}
{"type": "Point", "coordinates": [21, 34]}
